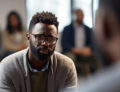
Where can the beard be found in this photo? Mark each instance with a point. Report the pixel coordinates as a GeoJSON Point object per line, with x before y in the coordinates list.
{"type": "Point", "coordinates": [79, 22]}
{"type": "Point", "coordinates": [40, 56]}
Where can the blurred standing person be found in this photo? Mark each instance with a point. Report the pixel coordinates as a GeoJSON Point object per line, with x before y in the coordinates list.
{"type": "Point", "coordinates": [76, 43]}
{"type": "Point", "coordinates": [14, 37]}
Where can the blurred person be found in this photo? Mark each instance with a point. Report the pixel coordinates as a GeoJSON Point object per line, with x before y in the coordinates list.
{"type": "Point", "coordinates": [38, 68]}
{"type": "Point", "coordinates": [76, 43]}
{"type": "Point", "coordinates": [0, 44]}
{"type": "Point", "coordinates": [107, 33]}
{"type": "Point", "coordinates": [14, 37]}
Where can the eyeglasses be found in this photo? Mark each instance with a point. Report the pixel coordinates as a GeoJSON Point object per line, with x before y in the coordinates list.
{"type": "Point", "coordinates": [41, 38]}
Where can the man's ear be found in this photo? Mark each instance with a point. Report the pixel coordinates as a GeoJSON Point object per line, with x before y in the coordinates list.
{"type": "Point", "coordinates": [28, 36]}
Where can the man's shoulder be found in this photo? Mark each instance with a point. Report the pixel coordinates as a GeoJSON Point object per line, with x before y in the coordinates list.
{"type": "Point", "coordinates": [105, 80]}
{"type": "Point", "coordinates": [70, 26]}
{"type": "Point", "coordinates": [62, 56]}
{"type": "Point", "coordinates": [13, 60]}
{"type": "Point", "coordinates": [13, 63]}
{"type": "Point", "coordinates": [62, 59]}
{"type": "Point", "coordinates": [87, 28]}
{"type": "Point", "coordinates": [15, 55]}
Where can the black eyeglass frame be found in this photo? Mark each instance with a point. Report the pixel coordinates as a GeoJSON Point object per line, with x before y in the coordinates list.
{"type": "Point", "coordinates": [44, 39]}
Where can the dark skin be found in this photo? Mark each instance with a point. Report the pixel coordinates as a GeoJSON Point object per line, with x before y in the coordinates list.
{"type": "Point", "coordinates": [14, 22]}
{"type": "Point", "coordinates": [107, 32]}
{"type": "Point", "coordinates": [46, 30]}
{"type": "Point", "coordinates": [79, 16]}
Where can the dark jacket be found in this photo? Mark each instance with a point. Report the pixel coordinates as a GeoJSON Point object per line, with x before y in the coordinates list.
{"type": "Point", "coordinates": [68, 37]}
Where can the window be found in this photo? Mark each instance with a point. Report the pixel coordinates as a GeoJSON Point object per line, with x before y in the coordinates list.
{"type": "Point", "coordinates": [59, 7]}
{"type": "Point", "coordinates": [89, 8]}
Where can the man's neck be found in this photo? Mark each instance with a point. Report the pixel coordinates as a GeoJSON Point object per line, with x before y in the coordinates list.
{"type": "Point", "coordinates": [79, 23]}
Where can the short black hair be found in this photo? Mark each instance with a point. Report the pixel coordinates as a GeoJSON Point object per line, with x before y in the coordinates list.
{"type": "Point", "coordinates": [9, 27]}
{"type": "Point", "coordinates": [43, 17]}
{"type": "Point", "coordinates": [77, 10]}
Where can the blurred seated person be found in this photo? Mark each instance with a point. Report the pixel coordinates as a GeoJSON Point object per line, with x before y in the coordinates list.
{"type": "Point", "coordinates": [13, 38]}
{"type": "Point", "coordinates": [76, 43]}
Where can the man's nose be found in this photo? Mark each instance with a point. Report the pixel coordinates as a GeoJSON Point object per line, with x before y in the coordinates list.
{"type": "Point", "coordinates": [44, 43]}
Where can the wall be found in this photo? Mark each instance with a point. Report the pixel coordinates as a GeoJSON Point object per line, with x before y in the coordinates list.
{"type": "Point", "coordinates": [7, 5]}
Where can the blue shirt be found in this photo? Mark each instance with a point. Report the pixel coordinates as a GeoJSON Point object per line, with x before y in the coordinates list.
{"type": "Point", "coordinates": [35, 70]}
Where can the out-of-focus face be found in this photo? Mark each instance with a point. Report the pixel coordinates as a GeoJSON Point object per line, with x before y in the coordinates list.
{"type": "Point", "coordinates": [107, 34]}
{"type": "Point", "coordinates": [43, 40]}
{"type": "Point", "coordinates": [79, 16]}
{"type": "Point", "coordinates": [13, 21]}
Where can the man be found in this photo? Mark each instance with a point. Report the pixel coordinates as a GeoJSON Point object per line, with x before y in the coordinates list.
{"type": "Point", "coordinates": [76, 36]}
{"type": "Point", "coordinates": [38, 68]}
{"type": "Point", "coordinates": [107, 33]}
{"type": "Point", "coordinates": [76, 42]}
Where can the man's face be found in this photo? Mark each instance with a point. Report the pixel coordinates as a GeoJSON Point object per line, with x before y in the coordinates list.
{"type": "Point", "coordinates": [107, 35]}
{"type": "Point", "coordinates": [43, 40]}
{"type": "Point", "coordinates": [79, 16]}
{"type": "Point", "coordinates": [14, 21]}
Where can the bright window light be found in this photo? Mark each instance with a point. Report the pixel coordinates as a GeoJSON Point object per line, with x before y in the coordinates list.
{"type": "Point", "coordinates": [59, 7]}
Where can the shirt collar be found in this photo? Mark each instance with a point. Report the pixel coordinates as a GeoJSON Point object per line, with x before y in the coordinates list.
{"type": "Point", "coordinates": [44, 68]}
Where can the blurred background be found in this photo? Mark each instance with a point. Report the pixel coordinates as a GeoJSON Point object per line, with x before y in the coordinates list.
{"type": "Point", "coordinates": [62, 9]}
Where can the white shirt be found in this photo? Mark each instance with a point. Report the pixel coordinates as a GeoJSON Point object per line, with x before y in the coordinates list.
{"type": "Point", "coordinates": [79, 36]}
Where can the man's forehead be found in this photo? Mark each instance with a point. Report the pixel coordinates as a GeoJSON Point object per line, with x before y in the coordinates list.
{"type": "Point", "coordinates": [37, 26]}
{"type": "Point", "coordinates": [41, 27]}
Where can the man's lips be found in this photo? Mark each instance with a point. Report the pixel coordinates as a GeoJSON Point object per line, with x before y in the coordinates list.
{"type": "Point", "coordinates": [44, 51]}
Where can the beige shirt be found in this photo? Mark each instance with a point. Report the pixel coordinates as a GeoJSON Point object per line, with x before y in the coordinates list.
{"type": "Point", "coordinates": [13, 42]}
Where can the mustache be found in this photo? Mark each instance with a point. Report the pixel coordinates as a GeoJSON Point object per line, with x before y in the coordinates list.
{"type": "Point", "coordinates": [43, 47]}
